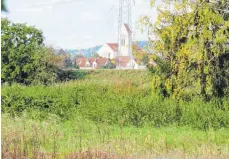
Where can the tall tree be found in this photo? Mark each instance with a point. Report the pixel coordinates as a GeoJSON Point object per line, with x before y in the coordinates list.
{"type": "Point", "coordinates": [24, 57]}
{"type": "Point", "coordinates": [193, 40]}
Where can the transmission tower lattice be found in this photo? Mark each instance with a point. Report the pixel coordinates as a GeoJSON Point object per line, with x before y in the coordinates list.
{"type": "Point", "coordinates": [125, 16]}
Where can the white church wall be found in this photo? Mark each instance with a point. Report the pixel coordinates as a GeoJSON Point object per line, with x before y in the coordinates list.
{"type": "Point", "coordinates": [124, 36]}
{"type": "Point", "coordinates": [136, 66]}
{"type": "Point", "coordinates": [105, 50]}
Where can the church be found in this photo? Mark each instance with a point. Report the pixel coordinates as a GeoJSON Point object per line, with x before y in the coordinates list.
{"type": "Point", "coordinates": [110, 50]}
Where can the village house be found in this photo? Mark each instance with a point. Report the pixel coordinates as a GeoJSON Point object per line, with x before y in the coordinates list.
{"type": "Point", "coordinates": [111, 49]}
{"type": "Point", "coordinates": [123, 60]}
{"type": "Point", "coordinates": [109, 52]}
{"type": "Point", "coordinates": [108, 49]}
{"type": "Point", "coordinates": [91, 63]}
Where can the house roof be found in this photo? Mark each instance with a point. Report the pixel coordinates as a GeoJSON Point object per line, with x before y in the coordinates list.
{"type": "Point", "coordinates": [81, 61]}
{"type": "Point", "coordinates": [91, 60]}
{"type": "Point", "coordinates": [123, 60]}
{"type": "Point", "coordinates": [101, 61]}
{"type": "Point", "coordinates": [127, 28]}
{"type": "Point", "coordinates": [113, 46]}
{"type": "Point", "coordinates": [136, 47]}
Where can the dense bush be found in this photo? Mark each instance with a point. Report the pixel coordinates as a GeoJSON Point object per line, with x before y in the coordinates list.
{"type": "Point", "coordinates": [65, 75]}
{"type": "Point", "coordinates": [114, 104]}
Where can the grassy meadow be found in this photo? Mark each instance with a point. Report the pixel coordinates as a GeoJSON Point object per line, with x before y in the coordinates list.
{"type": "Point", "coordinates": [109, 114]}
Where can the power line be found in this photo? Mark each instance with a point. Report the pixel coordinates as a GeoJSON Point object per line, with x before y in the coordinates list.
{"type": "Point", "coordinates": [112, 7]}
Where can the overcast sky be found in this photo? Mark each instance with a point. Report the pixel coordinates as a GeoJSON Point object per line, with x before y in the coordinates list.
{"type": "Point", "coordinates": [74, 24]}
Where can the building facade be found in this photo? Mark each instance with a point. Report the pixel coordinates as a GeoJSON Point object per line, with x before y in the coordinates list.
{"type": "Point", "coordinates": [110, 50]}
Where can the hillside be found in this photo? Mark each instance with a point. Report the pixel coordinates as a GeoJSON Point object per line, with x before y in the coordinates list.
{"type": "Point", "coordinates": [88, 52]}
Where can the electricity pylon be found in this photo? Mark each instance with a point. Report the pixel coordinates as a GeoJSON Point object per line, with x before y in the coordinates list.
{"type": "Point", "coordinates": [125, 16]}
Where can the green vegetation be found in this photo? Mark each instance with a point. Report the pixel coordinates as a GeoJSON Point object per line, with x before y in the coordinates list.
{"type": "Point", "coordinates": [24, 58]}
{"type": "Point", "coordinates": [3, 6]}
{"type": "Point", "coordinates": [193, 41]}
{"type": "Point", "coordinates": [102, 100]}
{"type": "Point", "coordinates": [177, 109]}
{"type": "Point", "coordinates": [110, 112]}
{"type": "Point", "coordinates": [82, 138]}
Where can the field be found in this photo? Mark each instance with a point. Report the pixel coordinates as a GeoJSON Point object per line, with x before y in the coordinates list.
{"type": "Point", "coordinates": [109, 114]}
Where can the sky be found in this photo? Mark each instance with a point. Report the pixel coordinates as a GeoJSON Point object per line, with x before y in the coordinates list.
{"type": "Point", "coordinates": [74, 24]}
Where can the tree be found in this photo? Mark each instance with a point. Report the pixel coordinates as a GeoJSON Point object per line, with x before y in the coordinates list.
{"type": "Point", "coordinates": [3, 6]}
{"type": "Point", "coordinates": [68, 62]}
{"type": "Point", "coordinates": [95, 55]}
{"type": "Point", "coordinates": [141, 55]}
{"type": "Point", "coordinates": [75, 65]}
{"type": "Point", "coordinates": [193, 40]}
{"type": "Point", "coordinates": [79, 56]}
{"type": "Point", "coordinates": [24, 57]}
{"type": "Point", "coordinates": [61, 58]}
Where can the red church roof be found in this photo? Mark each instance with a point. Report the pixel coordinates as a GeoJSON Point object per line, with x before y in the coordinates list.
{"type": "Point", "coordinates": [113, 46]}
{"type": "Point", "coordinates": [127, 28]}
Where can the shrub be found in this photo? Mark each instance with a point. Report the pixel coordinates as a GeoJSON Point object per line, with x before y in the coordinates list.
{"type": "Point", "coordinates": [115, 104]}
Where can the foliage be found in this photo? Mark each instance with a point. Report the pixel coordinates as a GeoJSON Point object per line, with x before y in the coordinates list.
{"type": "Point", "coordinates": [193, 41]}
{"type": "Point", "coordinates": [3, 5]}
{"type": "Point", "coordinates": [68, 62]}
{"type": "Point", "coordinates": [114, 101]}
{"type": "Point", "coordinates": [65, 75]}
{"type": "Point", "coordinates": [79, 56]}
{"type": "Point", "coordinates": [141, 55]}
{"type": "Point", "coordinates": [61, 58]}
{"type": "Point", "coordinates": [109, 65]}
{"type": "Point", "coordinates": [75, 65]}
{"type": "Point", "coordinates": [23, 137]}
{"type": "Point", "coordinates": [95, 55]}
{"type": "Point", "coordinates": [24, 57]}
{"type": "Point", "coordinates": [109, 112]}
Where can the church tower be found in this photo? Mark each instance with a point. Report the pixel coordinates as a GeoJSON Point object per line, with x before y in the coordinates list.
{"type": "Point", "coordinates": [124, 30]}
{"type": "Point", "coordinates": [125, 40]}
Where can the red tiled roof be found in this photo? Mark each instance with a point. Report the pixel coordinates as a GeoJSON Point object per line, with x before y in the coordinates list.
{"type": "Point", "coordinates": [81, 62]}
{"type": "Point", "coordinates": [123, 60]}
{"type": "Point", "coordinates": [91, 60]}
{"type": "Point", "coordinates": [113, 46]}
{"type": "Point", "coordinates": [136, 48]}
{"type": "Point", "coordinates": [127, 28]}
{"type": "Point", "coordinates": [101, 61]}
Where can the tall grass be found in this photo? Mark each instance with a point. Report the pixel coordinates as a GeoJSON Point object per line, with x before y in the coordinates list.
{"type": "Point", "coordinates": [109, 114]}
{"type": "Point", "coordinates": [78, 138]}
